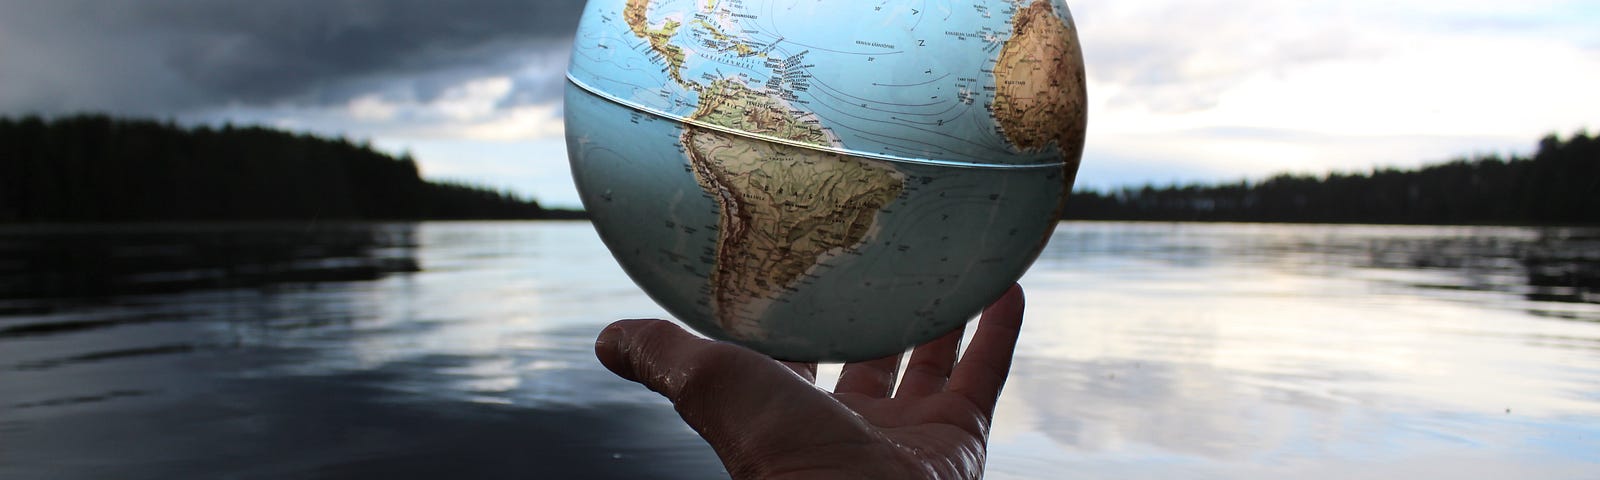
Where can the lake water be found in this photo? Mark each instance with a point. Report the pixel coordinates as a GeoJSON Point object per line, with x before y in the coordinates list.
{"type": "Point", "coordinates": [465, 350]}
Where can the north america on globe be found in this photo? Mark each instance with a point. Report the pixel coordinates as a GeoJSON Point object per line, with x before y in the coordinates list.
{"type": "Point", "coordinates": [825, 180]}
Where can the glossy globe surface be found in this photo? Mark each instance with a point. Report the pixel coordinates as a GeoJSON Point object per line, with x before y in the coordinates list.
{"type": "Point", "coordinates": [827, 180]}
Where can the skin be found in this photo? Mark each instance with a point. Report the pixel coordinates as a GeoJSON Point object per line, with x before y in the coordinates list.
{"type": "Point", "coordinates": [768, 420]}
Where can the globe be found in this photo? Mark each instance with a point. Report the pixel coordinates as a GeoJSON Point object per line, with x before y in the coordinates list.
{"type": "Point", "coordinates": [825, 180]}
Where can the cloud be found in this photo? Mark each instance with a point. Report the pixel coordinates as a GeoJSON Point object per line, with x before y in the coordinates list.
{"type": "Point", "coordinates": [1180, 90]}
{"type": "Point", "coordinates": [167, 56]}
{"type": "Point", "coordinates": [1233, 88]}
{"type": "Point", "coordinates": [479, 109]}
{"type": "Point", "coordinates": [1181, 56]}
{"type": "Point", "coordinates": [476, 109]}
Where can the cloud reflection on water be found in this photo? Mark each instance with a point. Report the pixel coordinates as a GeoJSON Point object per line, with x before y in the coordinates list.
{"type": "Point", "coordinates": [1150, 350]}
{"type": "Point", "coordinates": [1248, 351]}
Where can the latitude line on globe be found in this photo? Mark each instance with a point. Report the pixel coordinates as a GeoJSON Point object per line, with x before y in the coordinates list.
{"type": "Point", "coordinates": [808, 146]}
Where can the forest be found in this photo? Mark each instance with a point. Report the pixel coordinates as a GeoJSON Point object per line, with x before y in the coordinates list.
{"type": "Point", "coordinates": [94, 168]}
{"type": "Point", "coordinates": [1558, 185]}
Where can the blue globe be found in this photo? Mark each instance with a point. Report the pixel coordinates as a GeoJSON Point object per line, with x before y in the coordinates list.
{"type": "Point", "coordinates": [824, 180]}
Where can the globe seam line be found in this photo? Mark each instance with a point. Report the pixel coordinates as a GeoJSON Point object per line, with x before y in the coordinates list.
{"type": "Point", "coordinates": [843, 151]}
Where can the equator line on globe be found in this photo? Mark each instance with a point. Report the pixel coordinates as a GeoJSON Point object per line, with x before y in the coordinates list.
{"type": "Point", "coordinates": [824, 180]}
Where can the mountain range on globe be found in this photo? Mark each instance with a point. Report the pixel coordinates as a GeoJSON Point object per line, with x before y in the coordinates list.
{"type": "Point", "coordinates": [825, 179]}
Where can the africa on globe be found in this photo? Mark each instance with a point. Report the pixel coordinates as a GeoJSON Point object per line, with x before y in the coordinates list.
{"type": "Point", "coordinates": [825, 180]}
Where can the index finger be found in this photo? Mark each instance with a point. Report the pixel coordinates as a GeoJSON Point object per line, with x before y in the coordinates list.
{"type": "Point", "coordinates": [982, 371]}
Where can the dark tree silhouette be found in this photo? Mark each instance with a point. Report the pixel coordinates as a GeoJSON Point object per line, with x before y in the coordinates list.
{"type": "Point", "coordinates": [1559, 184]}
{"type": "Point", "coordinates": [93, 168]}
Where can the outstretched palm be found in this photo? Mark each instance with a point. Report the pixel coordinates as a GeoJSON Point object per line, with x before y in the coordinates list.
{"type": "Point", "coordinates": [766, 419]}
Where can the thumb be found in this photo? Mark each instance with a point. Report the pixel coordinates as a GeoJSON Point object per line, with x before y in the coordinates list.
{"type": "Point", "coordinates": [659, 355]}
{"type": "Point", "coordinates": [749, 407]}
{"type": "Point", "coordinates": [690, 370]}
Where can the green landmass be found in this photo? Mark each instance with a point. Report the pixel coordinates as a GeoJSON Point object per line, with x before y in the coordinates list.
{"type": "Point", "coordinates": [94, 168]}
{"type": "Point", "coordinates": [1558, 185]}
{"type": "Point", "coordinates": [636, 13]}
{"type": "Point", "coordinates": [731, 104]}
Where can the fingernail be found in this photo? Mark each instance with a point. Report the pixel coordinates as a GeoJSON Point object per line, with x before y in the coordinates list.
{"type": "Point", "coordinates": [608, 338]}
{"type": "Point", "coordinates": [607, 347]}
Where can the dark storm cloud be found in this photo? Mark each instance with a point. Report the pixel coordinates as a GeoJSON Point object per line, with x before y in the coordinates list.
{"type": "Point", "coordinates": [167, 56]}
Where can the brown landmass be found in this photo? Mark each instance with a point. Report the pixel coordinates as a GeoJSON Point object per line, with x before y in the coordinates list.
{"type": "Point", "coordinates": [1039, 87]}
{"type": "Point", "coordinates": [783, 210]}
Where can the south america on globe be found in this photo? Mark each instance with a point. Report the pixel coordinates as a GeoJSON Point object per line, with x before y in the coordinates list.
{"type": "Point", "coordinates": [825, 180]}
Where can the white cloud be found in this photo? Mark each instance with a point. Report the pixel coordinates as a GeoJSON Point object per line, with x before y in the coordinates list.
{"type": "Point", "coordinates": [517, 123]}
{"type": "Point", "coordinates": [473, 100]}
{"type": "Point", "coordinates": [1236, 88]}
{"type": "Point", "coordinates": [372, 108]}
{"type": "Point", "coordinates": [1180, 90]}
{"type": "Point", "coordinates": [476, 109]}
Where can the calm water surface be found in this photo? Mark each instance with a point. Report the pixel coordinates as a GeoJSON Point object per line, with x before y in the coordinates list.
{"type": "Point", "coordinates": [1150, 351]}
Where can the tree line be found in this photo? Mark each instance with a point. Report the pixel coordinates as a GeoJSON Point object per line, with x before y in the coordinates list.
{"type": "Point", "coordinates": [94, 168]}
{"type": "Point", "coordinates": [1558, 184]}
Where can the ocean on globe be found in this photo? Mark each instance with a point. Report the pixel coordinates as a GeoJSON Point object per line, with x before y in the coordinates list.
{"type": "Point", "coordinates": [825, 180]}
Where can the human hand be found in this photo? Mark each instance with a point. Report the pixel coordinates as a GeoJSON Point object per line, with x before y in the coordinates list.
{"type": "Point", "coordinates": [766, 419]}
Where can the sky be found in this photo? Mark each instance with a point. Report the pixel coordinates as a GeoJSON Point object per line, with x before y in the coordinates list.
{"type": "Point", "coordinates": [1179, 90]}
